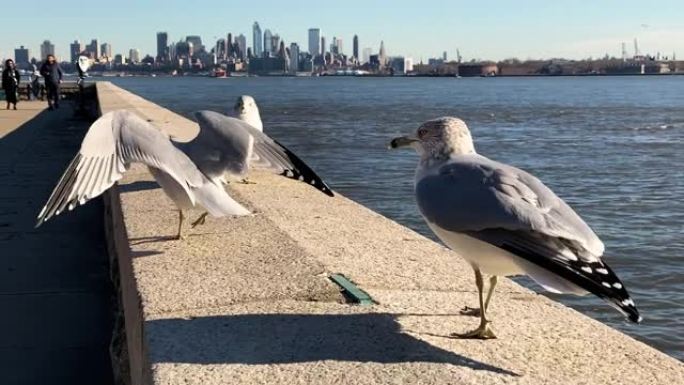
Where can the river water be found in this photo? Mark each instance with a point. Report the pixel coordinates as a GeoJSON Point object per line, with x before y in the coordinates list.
{"type": "Point", "coordinates": [612, 147]}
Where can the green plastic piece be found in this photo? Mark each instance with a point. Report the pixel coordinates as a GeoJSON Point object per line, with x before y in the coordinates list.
{"type": "Point", "coordinates": [352, 291]}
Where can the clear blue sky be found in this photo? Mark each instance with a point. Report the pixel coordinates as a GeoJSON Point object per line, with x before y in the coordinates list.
{"type": "Point", "coordinates": [489, 30]}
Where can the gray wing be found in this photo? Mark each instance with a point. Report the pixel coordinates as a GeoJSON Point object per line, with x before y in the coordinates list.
{"type": "Point", "coordinates": [473, 193]}
{"type": "Point", "coordinates": [515, 211]}
{"type": "Point", "coordinates": [112, 143]}
{"type": "Point", "coordinates": [226, 144]}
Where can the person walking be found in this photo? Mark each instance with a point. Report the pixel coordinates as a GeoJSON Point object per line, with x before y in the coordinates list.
{"type": "Point", "coordinates": [10, 83]}
{"type": "Point", "coordinates": [52, 73]}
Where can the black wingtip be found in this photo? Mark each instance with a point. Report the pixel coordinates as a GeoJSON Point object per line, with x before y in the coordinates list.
{"type": "Point", "coordinates": [304, 173]}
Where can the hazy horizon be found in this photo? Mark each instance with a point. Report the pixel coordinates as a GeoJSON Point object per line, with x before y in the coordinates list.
{"type": "Point", "coordinates": [524, 29]}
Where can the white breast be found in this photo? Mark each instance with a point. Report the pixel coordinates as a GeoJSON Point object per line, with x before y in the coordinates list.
{"type": "Point", "coordinates": [489, 259]}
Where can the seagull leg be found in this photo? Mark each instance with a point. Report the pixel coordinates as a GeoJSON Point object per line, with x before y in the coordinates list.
{"type": "Point", "coordinates": [483, 332]}
{"type": "Point", "coordinates": [181, 218]}
{"type": "Point", "coordinates": [201, 220]}
{"type": "Point", "coordinates": [475, 312]}
{"type": "Point", "coordinates": [247, 181]}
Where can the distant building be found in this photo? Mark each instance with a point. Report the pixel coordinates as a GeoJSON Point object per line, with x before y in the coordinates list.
{"type": "Point", "coordinates": [314, 41]}
{"type": "Point", "coordinates": [355, 49]}
{"type": "Point", "coordinates": [267, 65]}
{"type": "Point", "coordinates": [46, 49]}
{"type": "Point", "coordinates": [294, 58]}
{"type": "Point", "coordinates": [106, 52]}
{"type": "Point", "coordinates": [93, 49]}
{"type": "Point", "coordinates": [365, 55]}
{"type": "Point", "coordinates": [229, 46]}
{"type": "Point", "coordinates": [257, 40]}
{"type": "Point", "coordinates": [119, 59]}
{"type": "Point", "coordinates": [21, 56]}
{"type": "Point", "coordinates": [382, 55]}
{"type": "Point", "coordinates": [323, 50]}
{"type": "Point", "coordinates": [401, 65]}
{"type": "Point", "coordinates": [268, 43]}
{"type": "Point", "coordinates": [241, 42]}
{"type": "Point", "coordinates": [75, 50]}
{"type": "Point", "coordinates": [275, 44]}
{"type": "Point", "coordinates": [444, 56]}
{"type": "Point", "coordinates": [478, 69]}
{"type": "Point", "coordinates": [196, 41]}
{"type": "Point", "coordinates": [163, 52]}
{"type": "Point", "coordinates": [134, 56]}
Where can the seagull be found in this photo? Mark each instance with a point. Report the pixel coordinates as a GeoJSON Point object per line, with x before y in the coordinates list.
{"type": "Point", "coordinates": [504, 221]}
{"type": "Point", "coordinates": [120, 138]}
{"type": "Point", "coordinates": [247, 110]}
{"type": "Point", "coordinates": [226, 145]}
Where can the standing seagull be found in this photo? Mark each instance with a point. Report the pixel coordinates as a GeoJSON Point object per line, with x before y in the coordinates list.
{"type": "Point", "coordinates": [247, 110]}
{"type": "Point", "coordinates": [120, 138]}
{"type": "Point", "coordinates": [504, 221]}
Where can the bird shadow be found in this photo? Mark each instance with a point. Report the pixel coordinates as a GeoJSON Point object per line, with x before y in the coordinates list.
{"type": "Point", "coordinates": [141, 185]}
{"type": "Point", "coordinates": [261, 339]}
{"type": "Point", "coordinates": [152, 239]}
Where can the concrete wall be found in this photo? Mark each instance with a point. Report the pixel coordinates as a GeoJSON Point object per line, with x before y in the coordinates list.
{"type": "Point", "coordinates": [248, 300]}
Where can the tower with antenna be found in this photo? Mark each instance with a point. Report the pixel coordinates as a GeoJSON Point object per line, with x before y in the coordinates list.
{"type": "Point", "coordinates": [624, 51]}
{"type": "Point", "coordinates": [458, 56]}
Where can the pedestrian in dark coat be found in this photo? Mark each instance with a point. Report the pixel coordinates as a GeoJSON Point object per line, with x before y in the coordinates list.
{"type": "Point", "coordinates": [52, 73]}
{"type": "Point", "coordinates": [10, 83]}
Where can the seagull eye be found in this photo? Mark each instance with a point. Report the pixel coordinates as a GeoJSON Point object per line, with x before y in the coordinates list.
{"type": "Point", "coordinates": [422, 132]}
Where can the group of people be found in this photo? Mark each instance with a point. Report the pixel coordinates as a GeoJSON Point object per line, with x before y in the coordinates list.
{"type": "Point", "coordinates": [50, 71]}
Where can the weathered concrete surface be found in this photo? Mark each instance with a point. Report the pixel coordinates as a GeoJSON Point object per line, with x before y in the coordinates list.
{"type": "Point", "coordinates": [246, 300]}
{"type": "Point", "coordinates": [55, 296]}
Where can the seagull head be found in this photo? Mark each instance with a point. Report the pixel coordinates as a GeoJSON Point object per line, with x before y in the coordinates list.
{"type": "Point", "coordinates": [246, 110]}
{"type": "Point", "coordinates": [439, 138]}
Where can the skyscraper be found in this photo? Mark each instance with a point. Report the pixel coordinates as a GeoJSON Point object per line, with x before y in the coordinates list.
{"type": "Point", "coordinates": [241, 41]}
{"type": "Point", "coordinates": [106, 51]}
{"type": "Point", "coordinates": [196, 41]}
{"type": "Point", "coordinates": [229, 45]}
{"type": "Point", "coordinates": [75, 50]}
{"type": "Point", "coordinates": [46, 49]}
{"type": "Point", "coordinates": [355, 51]}
{"type": "Point", "coordinates": [268, 37]}
{"type": "Point", "coordinates": [365, 56]}
{"type": "Point", "coordinates": [21, 56]}
{"type": "Point", "coordinates": [314, 41]}
{"type": "Point", "coordinates": [134, 55]}
{"type": "Point", "coordinates": [257, 40]}
{"type": "Point", "coordinates": [382, 55]}
{"type": "Point", "coordinates": [93, 49]}
{"type": "Point", "coordinates": [294, 58]}
{"type": "Point", "coordinates": [323, 50]}
{"type": "Point", "coordinates": [163, 47]}
{"type": "Point", "coordinates": [275, 43]}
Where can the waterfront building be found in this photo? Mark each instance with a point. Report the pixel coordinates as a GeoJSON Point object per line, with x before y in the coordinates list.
{"type": "Point", "coordinates": [241, 42]}
{"type": "Point", "coordinates": [46, 49]}
{"type": "Point", "coordinates": [366, 54]}
{"type": "Point", "coordinates": [134, 56]}
{"type": "Point", "coordinates": [355, 48]}
{"type": "Point", "coordinates": [196, 43]}
{"type": "Point", "coordinates": [119, 59]}
{"type": "Point", "coordinates": [106, 52]}
{"type": "Point", "coordinates": [229, 46]}
{"type": "Point", "coordinates": [267, 65]}
{"type": "Point", "coordinates": [268, 43]}
{"type": "Point", "coordinates": [257, 40]}
{"type": "Point", "coordinates": [163, 51]}
{"type": "Point", "coordinates": [314, 41]}
{"type": "Point", "coordinates": [93, 49]}
{"type": "Point", "coordinates": [294, 58]}
{"type": "Point", "coordinates": [75, 50]}
{"type": "Point", "coordinates": [21, 56]}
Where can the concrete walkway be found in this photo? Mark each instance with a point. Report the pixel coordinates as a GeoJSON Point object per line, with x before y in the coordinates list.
{"type": "Point", "coordinates": [248, 300]}
{"type": "Point", "coordinates": [55, 293]}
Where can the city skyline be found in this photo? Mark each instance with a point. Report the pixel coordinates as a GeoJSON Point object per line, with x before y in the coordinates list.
{"type": "Point", "coordinates": [569, 31]}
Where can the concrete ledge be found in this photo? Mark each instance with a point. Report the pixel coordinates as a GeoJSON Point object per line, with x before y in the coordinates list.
{"type": "Point", "coordinates": [247, 300]}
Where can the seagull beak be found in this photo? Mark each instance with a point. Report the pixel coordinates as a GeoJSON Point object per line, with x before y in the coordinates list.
{"type": "Point", "coordinates": [402, 141]}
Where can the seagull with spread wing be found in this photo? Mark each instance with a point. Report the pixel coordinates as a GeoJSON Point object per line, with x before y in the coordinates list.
{"type": "Point", "coordinates": [189, 173]}
{"type": "Point", "coordinates": [504, 221]}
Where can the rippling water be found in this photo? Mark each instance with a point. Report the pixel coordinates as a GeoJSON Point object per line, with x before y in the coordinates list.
{"type": "Point", "coordinates": [612, 147]}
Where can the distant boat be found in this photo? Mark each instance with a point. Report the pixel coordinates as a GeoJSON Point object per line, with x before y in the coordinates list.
{"type": "Point", "coordinates": [218, 73]}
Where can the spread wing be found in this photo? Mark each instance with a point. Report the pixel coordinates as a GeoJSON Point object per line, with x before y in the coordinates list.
{"type": "Point", "coordinates": [515, 211]}
{"type": "Point", "coordinates": [227, 144]}
{"type": "Point", "coordinates": [112, 143]}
